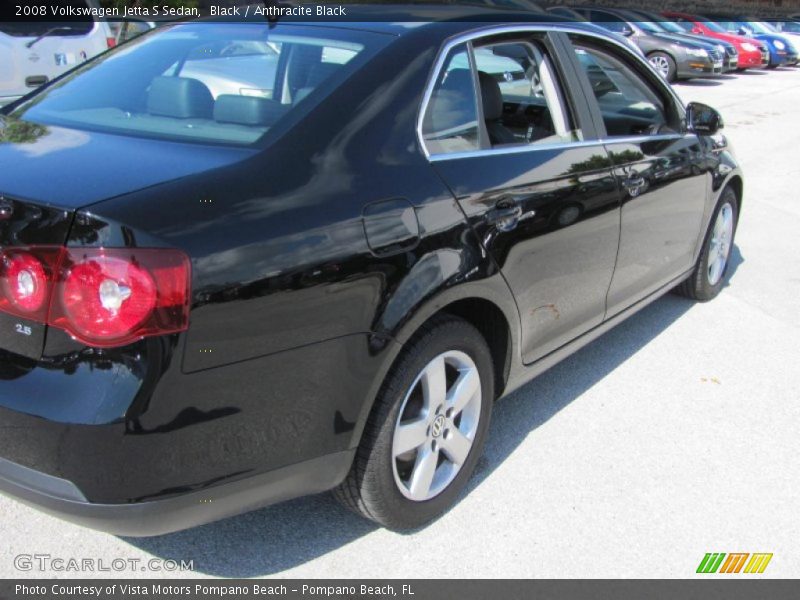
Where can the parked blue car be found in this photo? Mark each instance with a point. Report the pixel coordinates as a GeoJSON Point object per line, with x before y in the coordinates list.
{"type": "Point", "coordinates": [781, 49]}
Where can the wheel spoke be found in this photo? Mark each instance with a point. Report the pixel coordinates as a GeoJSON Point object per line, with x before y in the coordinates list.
{"type": "Point", "coordinates": [456, 446]}
{"type": "Point", "coordinates": [466, 386]}
{"type": "Point", "coordinates": [409, 436]}
{"type": "Point", "coordinates": [715, 269]}
{"type": "Point", "coordinates": [721, 242]}
{"type": "Point", "coordinates": [424, 470]}
{"type": "Point", "coordinates": [434, 383]}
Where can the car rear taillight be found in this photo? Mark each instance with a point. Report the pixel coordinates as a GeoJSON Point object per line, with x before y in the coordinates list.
{"type": "Point", "coordinates": [26, 281]}
{"type": "Point", "coordinates": [111, 42]}
{"type": "Point", "coordinates": [103, 297]}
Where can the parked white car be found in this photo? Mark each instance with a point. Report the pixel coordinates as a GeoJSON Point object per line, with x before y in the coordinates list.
{"type": "Point", "coordinates": [34, 52]}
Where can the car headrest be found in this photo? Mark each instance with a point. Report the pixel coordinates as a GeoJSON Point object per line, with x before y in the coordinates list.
{"type": "Point", "coordinates": [491, 97]}
{"type": "Point", "coordinates": [247, 110]}
{"type": "Point", "coordinates": [180, 98]}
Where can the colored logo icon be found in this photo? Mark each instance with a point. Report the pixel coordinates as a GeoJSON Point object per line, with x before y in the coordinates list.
{"type": "Point", "coordinates": [720, 562]}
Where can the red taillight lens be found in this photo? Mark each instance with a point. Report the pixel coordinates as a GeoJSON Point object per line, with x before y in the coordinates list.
{"type": "Point", "coordinates": [26, 277]}
{"type": "Point", "coordinates": [25, 282]}
{"type": "Point", "coordinates": [111, 42]}
{"type": "Point", "coordinates": [103, 297]}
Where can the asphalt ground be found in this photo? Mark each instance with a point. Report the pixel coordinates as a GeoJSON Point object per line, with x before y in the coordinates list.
{"type": "Point", "coordinates": [674, 435]}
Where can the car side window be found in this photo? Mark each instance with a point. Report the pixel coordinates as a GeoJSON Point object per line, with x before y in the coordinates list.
{"type": "Point", "coordinates": [521, 100]}
{"type": "Point", "coordinates": [450, 123]}
{"type": "Point", "coordinates": [628, 103]}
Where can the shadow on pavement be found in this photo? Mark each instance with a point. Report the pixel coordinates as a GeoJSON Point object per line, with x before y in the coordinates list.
{"type": "Point", "coordinates": [700, 82]}
{"type": "Point", "coordinates": [276, 538]}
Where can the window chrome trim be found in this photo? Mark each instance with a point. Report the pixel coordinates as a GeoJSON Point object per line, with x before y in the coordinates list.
{"type": "Point", "coordinates": [522, 148]}
{"type": "Point", "coordinates": [491, 30]}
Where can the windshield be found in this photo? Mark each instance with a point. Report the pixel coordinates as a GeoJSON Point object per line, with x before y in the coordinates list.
{"type": "Point", "coordinates": [670, 26]}
{"type": "Point", "coordinates": [716, 28]}
{"type": "Point", "coordinates": [649, 27]}
{"type": "Point", "coordinates": [732, 26]}
{"type": "Point", "coordinates": [213, 82]}
{"type": "Point", "coordinates": [761, 27]}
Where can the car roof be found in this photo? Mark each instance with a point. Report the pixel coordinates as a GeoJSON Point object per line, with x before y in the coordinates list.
{"type": "Point", "coordinates": [400, 19]}
{"type": "Point", "coordinates": [452, 19]}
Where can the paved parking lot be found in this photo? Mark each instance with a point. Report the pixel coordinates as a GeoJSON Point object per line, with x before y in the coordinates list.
{"type": "Point", "coordinates": [674, 435]}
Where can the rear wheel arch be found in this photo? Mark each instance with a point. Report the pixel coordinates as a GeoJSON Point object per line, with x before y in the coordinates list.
{"type": "Point", "coordinates": [662, 51]}
{"type": "Point", "coordinates": [486, 304]}
{"type": "Point", "coordinates": [493, 325]}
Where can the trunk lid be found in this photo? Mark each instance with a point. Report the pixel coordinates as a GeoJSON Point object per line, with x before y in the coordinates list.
{"type": "Point", "coordinates": [70, 168]}
{"type": "Point", "coordinates": [50, 172]}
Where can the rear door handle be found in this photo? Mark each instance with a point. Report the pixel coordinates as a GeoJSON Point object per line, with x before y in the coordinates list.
{"type": "Point", "coordinates": [505, 215]}
{"type": "Point", "coordinates": [634, 185]}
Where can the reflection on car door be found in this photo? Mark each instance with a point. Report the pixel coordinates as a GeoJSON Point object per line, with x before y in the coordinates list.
{"type": "Point", "coordinates": [540, 195]}
{"type": "Point", "coordinates": [661, 172]}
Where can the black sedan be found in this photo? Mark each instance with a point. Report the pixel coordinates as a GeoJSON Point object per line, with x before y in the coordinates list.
{"type": "Point", "coordinates": [215, 297]}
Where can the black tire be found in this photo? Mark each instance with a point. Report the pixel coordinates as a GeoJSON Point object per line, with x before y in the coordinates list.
{"type": "Point", "coordinates": [370, 488]}
{"type": "Point", "coordinates": [672, 68]}
{"type": "Point", "coordinates": [698, 286]}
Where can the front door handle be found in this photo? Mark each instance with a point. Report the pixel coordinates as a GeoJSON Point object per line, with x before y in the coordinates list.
{"type": "Point", "coordinates": [505, 215]}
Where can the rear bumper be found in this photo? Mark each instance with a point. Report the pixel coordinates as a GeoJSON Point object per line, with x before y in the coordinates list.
{"type": "Point", "coordinates": [115, 441]}
{"type": "Point", "coordinates": [63, 499]}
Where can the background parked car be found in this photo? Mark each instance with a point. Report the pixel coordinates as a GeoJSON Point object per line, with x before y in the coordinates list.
{"type": "Point", "coordinates": [781, 50]}
{"type": "Point", "coordinates": [792, 37]}
{"type": "Point", "coordinates": [787, 27]}
{"type": "Point", "coordinates": [33, 53]}
{"type": "Point", "coordinates": [569, 13]}
{"type": "Point", "coordinates": [730, 54]}
{"type": "Point", "coordinates": [673, 56]}
{"type": "Point", "coordinates": [752, 53]}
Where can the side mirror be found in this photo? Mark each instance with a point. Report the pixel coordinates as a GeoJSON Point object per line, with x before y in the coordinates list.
{"type": "Point", "coordinates": [745, 31]}
{"type": "Point", "coordinates": [697, 31]}
{"type": "Point", "coordinates": [627, 31]}
{"type": "Point", "coordinates": [702, 119]}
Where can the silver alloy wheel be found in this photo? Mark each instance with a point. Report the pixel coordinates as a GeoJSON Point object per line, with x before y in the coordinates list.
{"type": "Point", "coordinates": [720, 248]}
{"type": "Point", "coordinates": [436, 426]}
{"type": "Point", "coordinates": [661, 65]}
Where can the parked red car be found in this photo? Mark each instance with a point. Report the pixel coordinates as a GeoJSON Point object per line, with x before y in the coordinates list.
{"type": "Point", "coordinates": [752, 53]}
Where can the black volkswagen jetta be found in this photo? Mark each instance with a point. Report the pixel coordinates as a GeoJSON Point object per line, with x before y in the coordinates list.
{"type": "Point", "coordinates": [243, 262]}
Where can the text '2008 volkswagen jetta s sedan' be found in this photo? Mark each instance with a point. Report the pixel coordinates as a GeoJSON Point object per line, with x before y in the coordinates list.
{"type": "Point", "coordinates": [246, 261]}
